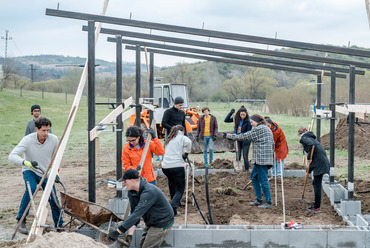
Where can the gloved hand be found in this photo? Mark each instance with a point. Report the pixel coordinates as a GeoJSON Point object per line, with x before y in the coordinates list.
{"type": "Point", "coordinates": [214, 138]}
{"type": "Point", "coordinates": [31, 164]}
{"type": "Point", "coordinates": [57, 178]}
{"type": "Point", "coordinates": [152, 132]}
{"type": "Point", "coordinates": [113, 235]}
{"type": "Point", "coordinates": [138, 167]}
{"type": "Point", "coordinates": [230, 136]}
{"type": "Point", "coordinates": [129, 239]}
{"type": "Point", "coordinates": [185, 156]}
{"type": "Point", "coordinates": [224, 135]}
{"type": "Point", "coordinates": [197, 138]}
{"type": "Point", "coordinates": [232, 111]}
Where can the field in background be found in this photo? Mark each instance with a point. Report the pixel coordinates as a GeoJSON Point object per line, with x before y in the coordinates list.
{"type": "Point", "coordinates": [15, 112]}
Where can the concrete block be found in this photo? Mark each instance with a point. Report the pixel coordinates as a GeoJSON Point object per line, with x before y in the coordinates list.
{"type": "Point", "coordinates": [350, 207]}
{"type": "Point", "coordinates": [192, 237]}
{"type": "Point", "coordinates": [361, 221]}
{"type": "Point", "coordinates": [326, 188]}
{"type": "Point", "coordinates": [231, 238]}
{"type": "Point", "coordinates": [337, 193]}
{"type": "Point", "coordinates": [347, 238]}
{"type": "Point", "coordinates": [118, 206]}
{"type": "Point", "coordinates": [294, 173]}
{"type": "Point", "coordinates": [307, 238]}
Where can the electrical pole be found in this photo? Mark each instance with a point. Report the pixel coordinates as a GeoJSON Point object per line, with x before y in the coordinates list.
{"type": "Point", "coordinates": [32, 70]}
{"type": "Point", "coordinates": [6, 38]}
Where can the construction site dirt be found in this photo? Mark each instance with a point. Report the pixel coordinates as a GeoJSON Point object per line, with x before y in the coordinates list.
{"type": "Point", "coordinates": [229, 205]}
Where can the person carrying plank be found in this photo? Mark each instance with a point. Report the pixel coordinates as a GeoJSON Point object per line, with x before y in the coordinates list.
{"type": "Point", "coordinates": [38, 149]}
{"type": "Point", "coordinates": [148, 202]}
{"type": "Point", "coordinates": [319, 164]}
{"type": "Point", "coordinates": [133, 151]}
{"type": "Point", "coordinates": [262, 160]}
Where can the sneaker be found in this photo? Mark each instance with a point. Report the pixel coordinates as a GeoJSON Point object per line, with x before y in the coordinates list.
{"type": "Point", "coordinates": [266, 205]}
{"type": "Point", "coordinates": [313, 210]}
{"type": "Point", "coordinates": [256, 203]}
{"type": "Point", "coordinates": [22, 227]}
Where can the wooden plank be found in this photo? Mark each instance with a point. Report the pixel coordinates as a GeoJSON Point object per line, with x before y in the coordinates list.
{"type": "Point", "coordinates": [37, 230]}
{"type": "Point", "coordinates": [110, 118]}
{"type": "Point", "coordinates": [323, 113]}
{"type": "Point", "coordinates": [359, 112]}
{"type": "Point", "coordinates": [149, 106]}
{"type": "Point", "coordinates": [146, 148]}
{"type": "Point", "coordinates": [364, 109]}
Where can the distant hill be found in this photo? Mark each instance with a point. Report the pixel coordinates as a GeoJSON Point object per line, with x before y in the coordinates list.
{"type": "Point", "coordinates": [55, 66]}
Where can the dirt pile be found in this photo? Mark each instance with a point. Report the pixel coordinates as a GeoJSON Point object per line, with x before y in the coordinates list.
{"type": "Point", "coordinates": [362, 138]}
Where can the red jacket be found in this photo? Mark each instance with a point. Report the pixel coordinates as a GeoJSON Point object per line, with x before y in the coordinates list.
{"type": "Point", "coordinates": [131, 158]}
{"type": "Point", "coordinates": [281, 146]}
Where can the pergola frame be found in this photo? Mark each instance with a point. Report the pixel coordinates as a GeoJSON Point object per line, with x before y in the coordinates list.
{"type": "Point", "coordinates": [91, 19]}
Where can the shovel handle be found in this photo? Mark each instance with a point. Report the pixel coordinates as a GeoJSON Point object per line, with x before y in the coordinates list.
{"type": "Point", "coordinates": [308, 169]}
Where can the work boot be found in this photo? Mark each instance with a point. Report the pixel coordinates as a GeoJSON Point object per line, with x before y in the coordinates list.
{"type": "Point", "coordinates": [22, 227]}
{"type": "Point", "coordinates": [266, 205]}
{"type": "Point", "coordinates": [257, 202]}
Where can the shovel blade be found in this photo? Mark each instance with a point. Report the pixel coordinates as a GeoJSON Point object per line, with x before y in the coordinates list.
{"type": "Point", "coordinates": [238, 166]}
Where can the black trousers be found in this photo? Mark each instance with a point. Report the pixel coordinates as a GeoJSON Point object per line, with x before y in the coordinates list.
{"type": "Point", "coordinates": [243, 149]}
{"type": "Point", "coordinates": [317, 181]}
{"type": "Point", "coordinates": [176, 184]}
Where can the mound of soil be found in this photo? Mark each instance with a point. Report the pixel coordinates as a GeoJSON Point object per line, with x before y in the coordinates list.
{"type": "Point", "coordinates": [230, 202]}
{"type": "Point", "coordinates": [362, 138]}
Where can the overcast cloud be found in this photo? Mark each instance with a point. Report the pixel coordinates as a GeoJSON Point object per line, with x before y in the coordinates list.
{"type": "Point", "coordinates": [323, 22]}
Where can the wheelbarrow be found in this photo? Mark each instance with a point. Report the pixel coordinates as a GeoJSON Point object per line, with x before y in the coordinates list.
{"type": "Point", "coordinates": [94, 216]}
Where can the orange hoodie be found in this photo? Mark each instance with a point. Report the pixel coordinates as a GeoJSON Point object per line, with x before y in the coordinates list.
{"type": "Point", "coordinates": [131, 158]}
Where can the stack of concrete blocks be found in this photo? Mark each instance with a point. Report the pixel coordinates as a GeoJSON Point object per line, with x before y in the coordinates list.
{"type": "Point", "coordinates": [119, 204]}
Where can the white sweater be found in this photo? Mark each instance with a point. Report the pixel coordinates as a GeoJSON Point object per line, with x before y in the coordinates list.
{"type": "Point", "coordinates": [174, 151]}
{"type": "Point", "coordinates": [34, 151]}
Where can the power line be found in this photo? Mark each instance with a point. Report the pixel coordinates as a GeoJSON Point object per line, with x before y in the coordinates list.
{"type": "Point", "coordinates": [6, 38]}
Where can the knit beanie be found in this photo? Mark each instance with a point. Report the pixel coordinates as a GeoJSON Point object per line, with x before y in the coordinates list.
{"type": "Point", "coordinates": [35, 106]}
{"type": "Point", "coordinates": [254, 118]}
{"type": "Point", "coordinates": [179, 99]}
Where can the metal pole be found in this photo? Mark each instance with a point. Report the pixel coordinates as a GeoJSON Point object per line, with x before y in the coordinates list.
{"type": "Point", "coordinates": [332, 125]}
{"type": "Point", "coordinates": [91, 106]}
{"type": "Point", "coordinates": [318, 106]}
{"type": "Point", "coordinates": [119, 99]}
{"type": "Point", "coordinates": [351, 131]}
{"type": "Point", "coordinates": [151, 83]}
{"type": "Point", "coordinates": [138, 64]}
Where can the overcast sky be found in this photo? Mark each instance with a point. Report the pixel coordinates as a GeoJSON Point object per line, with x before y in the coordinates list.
{"type": "Point", "coordinates": [334, 22]}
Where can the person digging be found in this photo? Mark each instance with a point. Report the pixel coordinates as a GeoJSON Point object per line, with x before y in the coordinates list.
{"type": "Point", "coordinates": [319, 164]}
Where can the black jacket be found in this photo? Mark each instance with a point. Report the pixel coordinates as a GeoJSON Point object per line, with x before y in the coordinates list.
{"type": "Point", "coordinates": [173, 117]}
{"type": "Point", "coordinates": [320, 163]}
{"type": "Point", "coordinates": [149, 203]}
{"type": "Point", "coordinates": [246, 126]}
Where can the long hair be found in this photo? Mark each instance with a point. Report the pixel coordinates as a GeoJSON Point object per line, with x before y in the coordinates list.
{"type": "Point", "coordinates": [302, 130]}
{"type": "Point", "coordinates": [237, 115]}
{"type": "Point", "coordinates": [173, 133]}
{"type": "Point", "coordinates": [135, 132]}
{"type": "Point", "coordinates": [261, 120]}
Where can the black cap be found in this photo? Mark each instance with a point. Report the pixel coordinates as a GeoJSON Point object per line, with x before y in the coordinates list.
{"type": "Point", "coordinates": [130, 174]}
{"type": "Point", "coordinates": [179, 99]}
{"type": "Point", "coordinates": [35, 106]}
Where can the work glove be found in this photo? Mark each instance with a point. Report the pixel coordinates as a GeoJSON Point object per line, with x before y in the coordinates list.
{"type": "Point", "coordinates": [113, 235]}
{"type": "Point", "coordinates": [31, 164]}
{"type": "Point", "coordinates": [197, 138]}
{"type": "Point", "coordinates": [129, 239]}
{"type": "Point", "coordinates": [214, 138]}
{"type": "Point", "coordinates": [138, 167]}
{"type": "Point", "coordinates": [185, 156]}
{"type": "Point", "coordinates": [57, 178]}
{"type": "Point", "coordinates": [232, 111]}
{"type": "Point", "coordinates": [152, 132]}
{"type": "Point", "coordinates": [230, 136]}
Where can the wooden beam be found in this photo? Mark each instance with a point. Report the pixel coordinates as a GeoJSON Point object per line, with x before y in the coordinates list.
{"type": "Point", "coordinates": [110, 118]}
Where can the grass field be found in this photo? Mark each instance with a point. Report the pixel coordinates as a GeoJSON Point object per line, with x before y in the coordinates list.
{"type": "Point", "coordinates": [15, 111]}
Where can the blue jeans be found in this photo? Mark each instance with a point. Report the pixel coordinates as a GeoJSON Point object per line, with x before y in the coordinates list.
{"type": "Point", "coordinates": [34, 179]}
{"type": "Point", "coordinates": [278, 171]}
{"type": "Point", "coordinates": [260, 182]}
{"type": "Point", "coordinates": [208, 142]}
